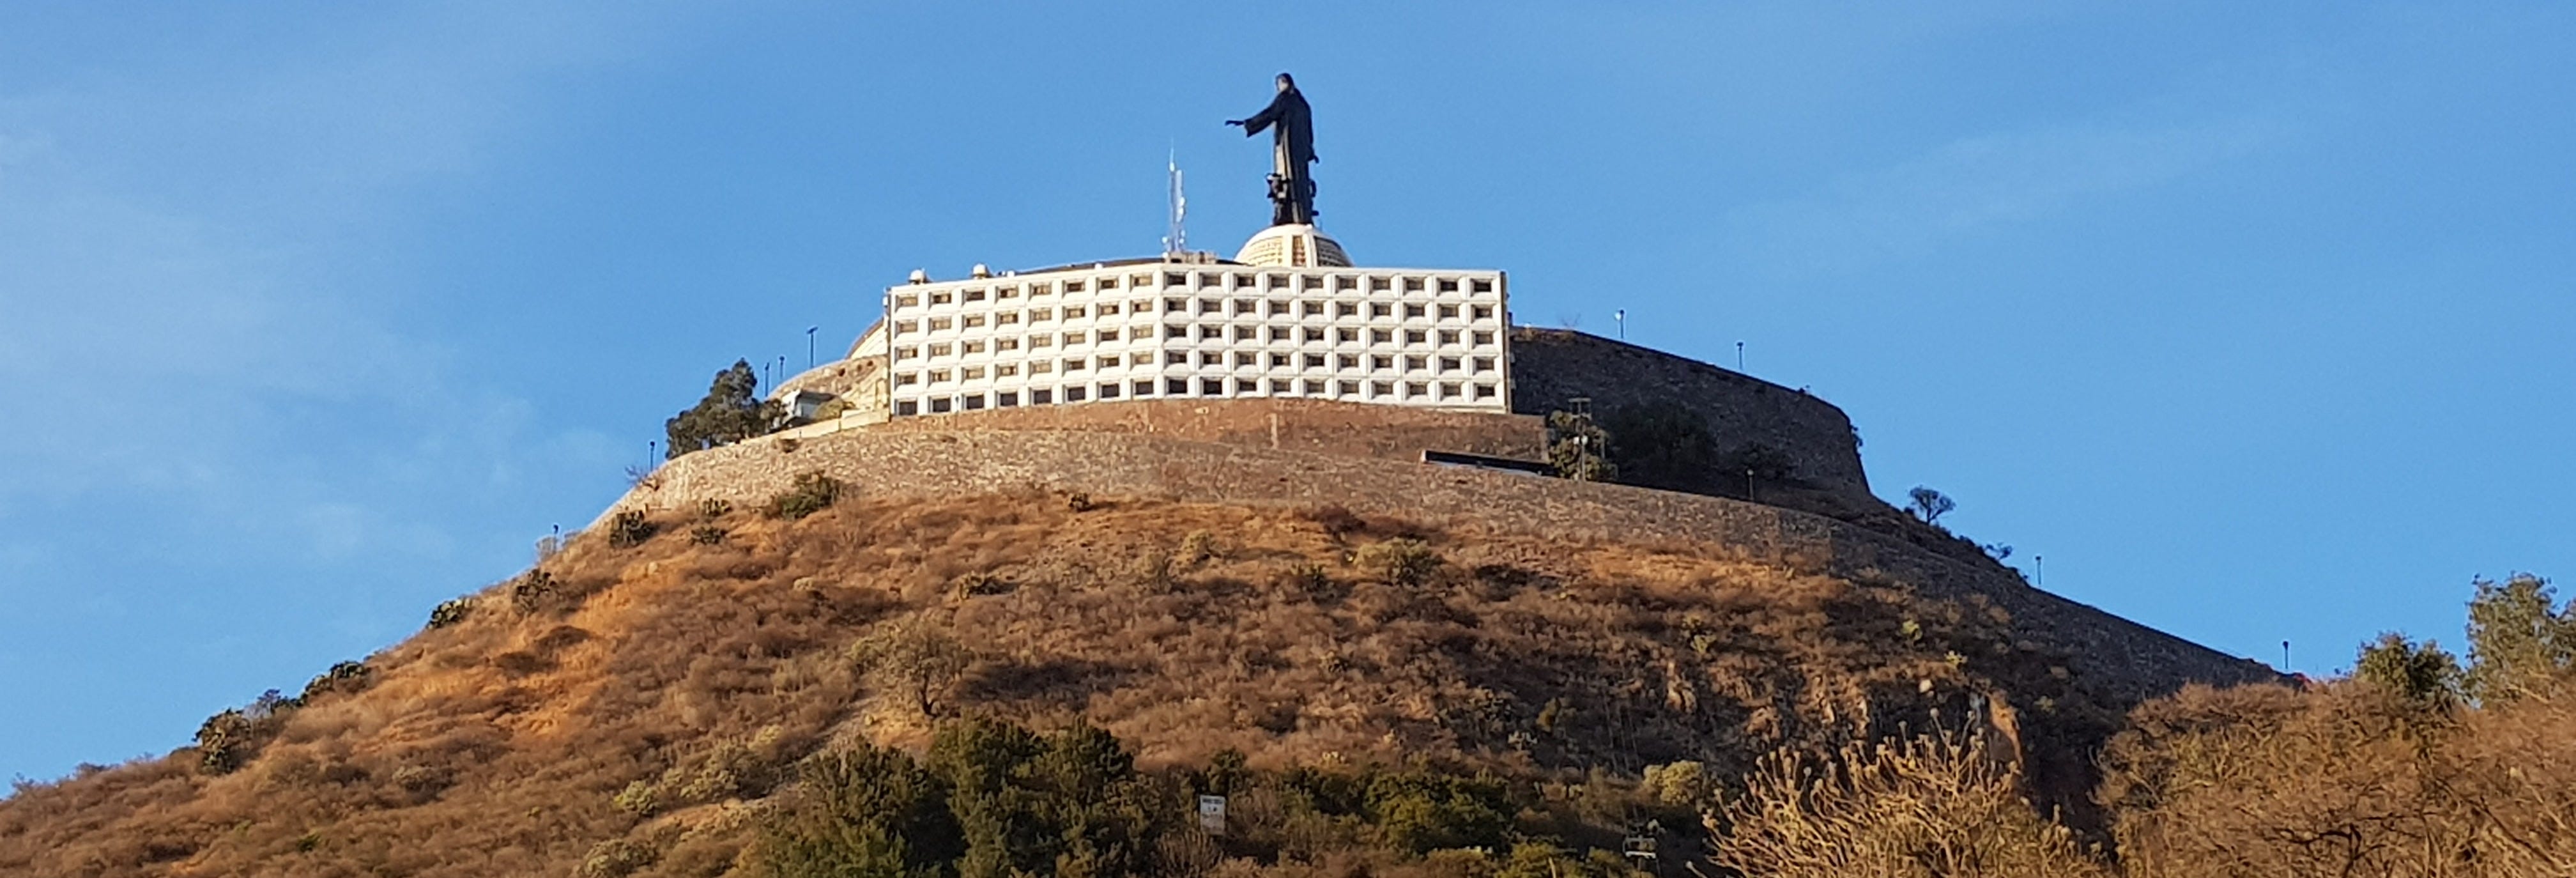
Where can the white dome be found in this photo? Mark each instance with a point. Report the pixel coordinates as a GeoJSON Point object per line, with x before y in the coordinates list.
{"type": "Point", "coordinates": [1294, 245]}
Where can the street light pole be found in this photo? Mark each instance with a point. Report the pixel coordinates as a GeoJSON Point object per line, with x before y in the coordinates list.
{"type": "Point", "coordinates": [809, 346]}
{"type": "Point", "coordinates": [1739, 356]}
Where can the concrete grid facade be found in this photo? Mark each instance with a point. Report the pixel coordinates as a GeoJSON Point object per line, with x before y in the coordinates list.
{"type": "Point", "coordinates": [1163, 330]}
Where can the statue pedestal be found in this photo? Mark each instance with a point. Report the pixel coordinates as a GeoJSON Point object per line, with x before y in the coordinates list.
{"type": "Point", "coordinates": [1296, 245]}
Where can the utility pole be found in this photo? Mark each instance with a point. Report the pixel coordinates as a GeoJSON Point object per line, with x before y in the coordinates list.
{"type": "Point", "coordinates": [1621, 317]}
{"type": "Point", "coordinates": [809, 346]}
{"type": "Point", "coordinates": [2039, 569]}
{"type": "Point", "coordinates": [1739, 356]}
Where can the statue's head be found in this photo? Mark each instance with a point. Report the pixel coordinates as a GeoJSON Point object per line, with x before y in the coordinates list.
{"type": "Point", "coordinates": [1286, 82]}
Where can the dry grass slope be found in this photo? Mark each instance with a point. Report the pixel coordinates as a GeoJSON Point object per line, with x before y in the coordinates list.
{"type": "Point", "coordinates": [640, 703]}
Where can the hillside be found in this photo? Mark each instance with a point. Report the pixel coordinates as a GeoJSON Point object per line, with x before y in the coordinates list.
{"type": "Point", "coordinates": [1296, 634]}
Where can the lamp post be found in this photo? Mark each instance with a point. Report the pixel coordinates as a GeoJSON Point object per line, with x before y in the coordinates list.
{"type": "Point", "coordinates": [1621, 317]}
{"type": "Point", "coordinates": [809, 346]}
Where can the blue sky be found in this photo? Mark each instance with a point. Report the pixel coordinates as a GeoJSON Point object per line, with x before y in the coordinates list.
{"type": "Point", "coordinates": [2253, 319]}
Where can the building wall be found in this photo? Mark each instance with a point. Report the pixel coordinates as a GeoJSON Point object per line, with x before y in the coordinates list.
{"type": "Point", "coordinates": [1427, 338]}
{"type": "Point", "coordinates": [2123, 658]}
{"type": "Point", "coordinates": [1552, 366]}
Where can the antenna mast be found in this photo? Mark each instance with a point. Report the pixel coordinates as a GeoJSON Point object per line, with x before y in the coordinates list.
{"type": "Point", "coordinates": [1176, 241]}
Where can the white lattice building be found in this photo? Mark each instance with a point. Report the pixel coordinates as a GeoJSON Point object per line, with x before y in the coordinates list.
{"type": "Point", "coordinates": [1290, 317]}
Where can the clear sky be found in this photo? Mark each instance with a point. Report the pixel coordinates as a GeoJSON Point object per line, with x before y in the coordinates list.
{"type": "Point", "coordinates": [2252, 319]}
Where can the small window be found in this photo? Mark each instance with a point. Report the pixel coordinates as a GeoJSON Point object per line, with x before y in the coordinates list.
{"type": "Point", "coordinates": [1073, 364]}
{"type": "Point", "coordinates": [1449, 364]}
{"type": "Point", "coordinates": [907, 408]}
{"type": "Point", "coordinates": [1211, 387]}
{"type": "Point", "coordinates": [1073, 286]}
{"type": "Point", "coordinates": [1110, 334]}
{"type": "Point", "coordinates": [939, 323]}
{"type": "Point", "coordinates": [1350, 388]}
{"type": "Point", "coordinates": [1448, 336]}
{"type": "Point", "coordinates": [1247, 333]}
{"type": "Point", "coordinates": [1242, 281]}
{"type": "Point", "coordinates": [1381, 336]}
{"type": "Point", "coordinates": [1109, 391]}
{"type": "Point", "coordinates": [904, 326]}
{"type": "Point", "coordinates": [1246, 385]}
{"type": "Point", "coordinates": [1381, 388]}
{"type": "Point", "coordinates": [1076, 337]}
{"type": "Point", "coordinates": [1484, 364]}
{"type": "Point", "coordinates": [1109, 361]}
{"type": "Point", "coordinates": [1382, 361]}
{"type": "Point", "coordinates": [907, 353]}
{"type": "Point", "coordinates": [906, 379]}
{"type": "Point", "coordinates": [1448, 312]}
{"type": "Point", "coordinates": [1037, 314]}
{"type": "Point", "coordinates": [1041, 397]}
{"type": "Point", "coordinates": [1314, 387]}
{"type": "Point", "coordinates": [1073, 311]}
{"type": "Point", "coordinates": [1484, 391]}
{"type": "Point", "coordinates": [1380, 284]}
{"type": "Point", "coordinates": [1413, 285]}
{"type": "Point", "coordinates": [1484, 338]}
{"type": "Point", "coordinates": [1176, 306]}
{"type": "Point", "coordinates": [1415, 336]}
{"type": "Point", "coordinates": [1176, 387]}
{"type": "Point", "coordinates": [1211, 306]}
{"type": "Point", "coordinates": [1346, 309]}
{"type": "Point", "coordinates": [1108, 283]}
{"type": "Point", "coordinates": [1279, 360]}
{"type": "Point", "coordinates": [1108, 308]}
{"type": "Point", "coordinates": [1211, 358]}
{"type": "Point", "coordinates": [1073, 394]}
{"type": "Point", "coordinates": [1413, 310]}
{"type": "Point", "coordinates": [1281, 385]}
{"type": "Point", "coordinates": [1448, 284]}
{"type": "Point", "coordinates": [1041, 367]}
{"type": "Point", "coordinates": [940, 350]}
{"type": "Point", "coordinates": [1314, 361]}
{"type": "Point", "coordinates": [1381, 309]}
{"type": "Point", "coordinates": [1176, 358]}
{"type": "Point", "coordinates": [1007, 318]}
{"type": "Point", "coordinates": [1482, 285]}
{"type": "Point", "coordinates": [972, 347]}
{"type": "Point", "coordinates": [1350, 361]}
{"type": "Point", "coordinates": [1275, 282]}
{"type": "Point", "coordinates": [1417, 389]}
{"type": "Point", "coordinates": [1347, 334]}
{"type": "Point", "coordinates": [942, 298]}
{"type": "Point", "coordinates": [1280, 333]}
{"type": "Point", "coordinates": [939, 406]}
{"type": "Point", "coordinates": [1481, 312]}
{"type": "Point", "coordinates": [974, 295]}
{"type": "Point", "coordinates": [1417, 362]}
{"type": "Point", "coordinates": [1314, 333]}
{"type": "Point", "coordinates": [1143, 386]}
{"type": "Point", "coordinates": [1246, 306]}
{"type": "Point", "coordinates": [1310, 309]}
{"type": "Point", "coordinates": [907, 300]}
{"type": "Point", "coordinates": [1246, 358]}
{"type": "Point", "coordinates": [1345, 283]}
{"type": "Point", "coordinates": [971, 401]}
{"type": "Point", "coordinates": [1040, 341]}
{"type": "Point", "coordinates": [1278, 309]}
{"type": "Point", "coordinates": [1006, 370]}
{"type": "Point", "coordinates": [1175, 279]}
{"type": "Point", "coordinates": [1006, 292]}
{"type": "Point", "coordinates": [1006, 399]}
{"type": "Point", "coordinates": [1036, 290]}
{"type": "Point", "coordinates": [1211, 332]}
{"type": "Point", "coordinates": [1176, 332]}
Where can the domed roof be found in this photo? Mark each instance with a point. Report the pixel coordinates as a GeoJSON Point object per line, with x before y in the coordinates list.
{"type": "Point", "coordinates": [1293, 244]}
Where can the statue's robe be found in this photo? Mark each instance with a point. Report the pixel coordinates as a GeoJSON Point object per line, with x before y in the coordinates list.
{"type": "Point", "coordinates": [1292, 148]}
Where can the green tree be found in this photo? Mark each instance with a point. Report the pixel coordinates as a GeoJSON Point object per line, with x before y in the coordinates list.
{"type": "Point", "coordinates": [2521, 641]}
{"type": "Point", "coordinates": [861, 812]}
{"type": "Point", "coordinates": [1929, 505]}
{"type": "Point", "coordinates": [1578, 448]}
{"type": "Point", "coordinates": [2420, 673]}
{"type": "Point", "coordinates": [913, 658]}
{"type": "Point", "coordinates": [1663, 445]}
{"type": "Point", "coordinates": [1069, 805]}
{"type": "Point", "coordinates": [731, 412]}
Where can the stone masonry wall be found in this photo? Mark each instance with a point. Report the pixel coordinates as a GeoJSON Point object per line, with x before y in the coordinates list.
{"type": "Point", "coordinates": [1348, 428]}
{"type": "Point", "coordinates": [1550, 366]}
{"type": "Point", "coordinates": [2126, 659]}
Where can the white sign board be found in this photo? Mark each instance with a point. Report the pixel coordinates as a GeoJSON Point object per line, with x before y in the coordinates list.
{"type": "Point", "coordinates": [1212, 814]}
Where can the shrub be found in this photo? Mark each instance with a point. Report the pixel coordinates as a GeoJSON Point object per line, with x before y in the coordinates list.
{"type": "Point", "coordinates": [226, 741]}
{"type": "Point", "coordinates": [614, 858]}
{"type": "Point", "coordinates": [912, 659]}
{"type": "Point", "coordinates": [1399, 561]}
{"type": "Point", "coordinates": [343, 678]}
{"type": "Point", "coordinates": [1079, 502]}
{"type": "Point", "coordinates": [812, 492]}
{"type": "Point", "coordinates": [1934, 805]}
{"type": "Point", "coordinates": [712, 509]}
{"type": "Point", "coordinates": [450, 612]}
{"type": "Point", "coordinates": [642, 798]}
{"type": "Point", "coordinates": [629, 528]}
{"type": "Point", "coordinates": [860, 810]}
{"type": "Point", "coordinates": [731, 411]}
{"type": "Point", "coordinates": [532, 591]}
{"type": "Point", "coordinates": [707, 535]}
{"type": "Point", "coordinates": [1421, 811]}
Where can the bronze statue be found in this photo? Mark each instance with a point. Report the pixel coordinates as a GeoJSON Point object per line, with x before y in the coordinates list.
{"type": "Point", "coordinates": [1292, 192]}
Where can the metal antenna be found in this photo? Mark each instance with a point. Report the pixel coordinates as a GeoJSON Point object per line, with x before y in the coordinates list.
{"type": "Point", "coordinates": [1176, 241]}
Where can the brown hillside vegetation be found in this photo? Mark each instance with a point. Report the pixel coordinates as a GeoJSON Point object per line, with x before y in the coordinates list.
{"type": "Point", "coordinates": [640, 703]}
